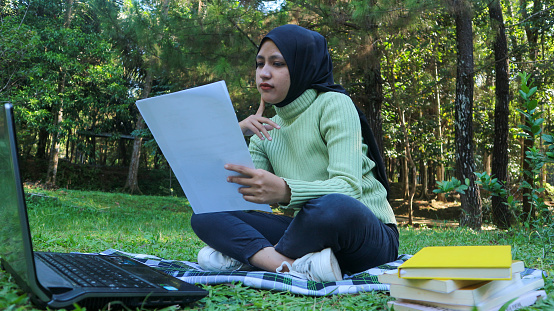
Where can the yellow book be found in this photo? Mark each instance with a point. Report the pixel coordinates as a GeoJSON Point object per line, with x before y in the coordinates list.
{"type": "Point", "coordinates": [459, 263]}
{"type": "Point", "coordinates": [441, 286]}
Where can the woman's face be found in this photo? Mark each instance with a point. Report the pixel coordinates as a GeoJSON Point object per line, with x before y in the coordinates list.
{"type": "Point", "coordinates": [272, 73]}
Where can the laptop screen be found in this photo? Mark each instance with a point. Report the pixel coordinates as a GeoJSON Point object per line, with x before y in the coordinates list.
{"type": "Point", "coordinates": [12, 242]}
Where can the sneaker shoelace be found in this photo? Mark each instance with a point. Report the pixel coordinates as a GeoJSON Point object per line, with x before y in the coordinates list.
{"type": "Point", "coordinates": [231, 263]}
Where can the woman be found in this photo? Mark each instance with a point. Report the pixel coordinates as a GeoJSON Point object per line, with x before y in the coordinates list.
{"type": "Point", "coordinates": [316, 160]}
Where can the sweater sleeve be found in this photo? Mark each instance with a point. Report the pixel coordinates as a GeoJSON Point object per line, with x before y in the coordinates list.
{"type": "Point", "coordinates": [340, 130]}
{"type": "Point", "coordinates": [259, 157]}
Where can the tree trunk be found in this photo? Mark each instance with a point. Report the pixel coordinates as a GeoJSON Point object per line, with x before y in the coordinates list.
{"type": "Point", "coordinates": [392, 171]}
{"type": "Point", "coordinates": [500, 211]}
{"type": "Point", "coordinates": [55, 147]}
{"type": "Point", "coordinates": [424, 180]}
{"type": "Point", "coordinates": [122, 151]}
{"type": "Point", "coordinates": [371, 98]}
{"type": "Point", "coordinates": [408, 159]}
{"type": "Point", "coordinates": [487, 161]}
{"type": "Point", "coordinates": [374, 94]}
{"type": "Point", "coordinates": [52, 171]}
{"type": "Point", "coordinates": [42, 143]}
{"type": "Point", "coordinates": [58, 115]}
{"type": "Point", "coordinates": [440, 166]}
{"type": "Point", "coordinates": [67, 149]}
{"type": "Point", "coordinates": [92, 148]}
{"type": "Point", "coordinates": [405, 179]}
{"type": "Point", "coordinates": [131, 185]}
{"type": "Point", "coordinates": [465, 166]}
{"type": "Point", "coordinates": [72, 152]}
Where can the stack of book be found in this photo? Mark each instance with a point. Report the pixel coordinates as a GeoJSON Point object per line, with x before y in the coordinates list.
{"type": "Point", "coordinates": [482, 278]}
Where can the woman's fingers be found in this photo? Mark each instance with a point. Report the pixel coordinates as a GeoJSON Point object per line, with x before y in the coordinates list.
{"type": "Point", "coordinates": [258, 125]}
{"type": "Point", "coordinates": [261, 108]}
{"type": "Point", "coordinates": [259, 186]}
{"type": "Point", "coordinates": [244, 171]}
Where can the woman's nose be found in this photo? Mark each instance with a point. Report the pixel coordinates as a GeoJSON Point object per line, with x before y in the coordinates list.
{"type": "Point", "coordinates": [265, 72]}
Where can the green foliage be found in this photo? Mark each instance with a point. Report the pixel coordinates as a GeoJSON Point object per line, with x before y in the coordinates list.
{"type": "Point", "coordinates": [495, 188]}
{"type": "Point", "coordinates": [62, 67]}
{"type": "Point", "coordinates": [452, 185]}
{"type": "Point", "coordinates": [490, 184]}
{"type": "Point", "coordinates": [534, 156]}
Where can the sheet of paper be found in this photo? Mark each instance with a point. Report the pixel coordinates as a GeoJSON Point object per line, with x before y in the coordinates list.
{"type": "Point", "coordinates": [198, 133]}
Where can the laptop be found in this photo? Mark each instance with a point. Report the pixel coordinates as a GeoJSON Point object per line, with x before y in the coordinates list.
{"type": "Point", "coordinates": [60, 280]}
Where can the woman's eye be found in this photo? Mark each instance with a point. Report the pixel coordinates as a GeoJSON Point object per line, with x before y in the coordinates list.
{"type": "Point", "coordinates": [259, 64]}
{"type": "Point", "coordinates": [278, 64]}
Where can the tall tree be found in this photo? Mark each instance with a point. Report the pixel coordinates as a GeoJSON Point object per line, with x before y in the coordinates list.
{"type": "Point", "coordinates": [138, 30]}
{"type": "Point", "coordinates": [465, 165]}
{"type": "Point", "coordinates": [501, 214]}
{"type": "Point", "coordinates": [58, 108]}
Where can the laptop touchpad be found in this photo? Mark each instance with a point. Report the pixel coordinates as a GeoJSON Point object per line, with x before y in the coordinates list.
{"type": "Point", "coordinates": [50, 279]}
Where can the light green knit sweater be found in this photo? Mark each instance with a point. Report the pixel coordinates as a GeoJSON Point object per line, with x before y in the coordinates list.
{"type": "Point", "coordinates": [318, 150]}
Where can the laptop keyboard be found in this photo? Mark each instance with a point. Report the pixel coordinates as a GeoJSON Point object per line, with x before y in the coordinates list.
{"type": "Point", "coordinates": [92, 271]}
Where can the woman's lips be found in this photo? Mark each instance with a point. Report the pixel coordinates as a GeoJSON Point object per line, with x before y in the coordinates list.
{"type": "Point", "coordinates": [265, 86]}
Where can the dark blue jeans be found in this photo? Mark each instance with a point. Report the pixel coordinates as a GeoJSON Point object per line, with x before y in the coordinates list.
{"type": "Point", "coordinates": [357, 237]}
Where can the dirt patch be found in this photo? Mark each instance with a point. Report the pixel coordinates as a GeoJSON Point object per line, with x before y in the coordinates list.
{"type": "Point", "coordinates": [426, 211]}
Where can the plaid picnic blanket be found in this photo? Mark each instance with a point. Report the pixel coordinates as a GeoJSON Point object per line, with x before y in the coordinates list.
{"type": "Point", "coordinates": [352, 284]}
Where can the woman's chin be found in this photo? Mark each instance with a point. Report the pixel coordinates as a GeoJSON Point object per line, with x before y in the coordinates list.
{"type": "Point", "coordinates": [270, 100]}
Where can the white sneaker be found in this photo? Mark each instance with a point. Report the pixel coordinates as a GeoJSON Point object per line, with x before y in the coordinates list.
{"type": "Point", "coordinates": [320, 267]}
{"type": "Point", "coordinates": [211, 260]}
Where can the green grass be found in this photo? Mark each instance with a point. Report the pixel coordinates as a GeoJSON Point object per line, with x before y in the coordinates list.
{"type": "Point", "coordinates": [83, 221]}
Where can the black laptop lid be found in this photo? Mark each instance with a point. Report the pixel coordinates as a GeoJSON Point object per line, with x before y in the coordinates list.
{"type": "Point", "coordinates": [15, 239]}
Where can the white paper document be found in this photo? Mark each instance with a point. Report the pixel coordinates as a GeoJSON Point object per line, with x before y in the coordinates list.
{"type": "Point", "coordinates": [198, 133]}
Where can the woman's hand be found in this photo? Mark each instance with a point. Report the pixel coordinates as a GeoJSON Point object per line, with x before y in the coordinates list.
{"type": "Point", "coordinates": [260, 186]}
{"type": "Point", "coordinates": [257, 124]}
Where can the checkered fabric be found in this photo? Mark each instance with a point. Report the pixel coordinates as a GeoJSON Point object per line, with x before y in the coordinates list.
{"type": "Point", "coordinates": [352, 284]}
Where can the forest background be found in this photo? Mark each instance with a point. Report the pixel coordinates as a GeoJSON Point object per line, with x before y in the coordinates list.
{"type": "Point", "coordinates": [440, 82]}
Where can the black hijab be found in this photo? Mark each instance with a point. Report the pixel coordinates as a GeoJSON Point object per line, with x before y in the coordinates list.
{"type": "Point", "coordinates": [310, 67]}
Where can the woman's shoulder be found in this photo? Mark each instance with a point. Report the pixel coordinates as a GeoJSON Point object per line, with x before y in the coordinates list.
{"type": "Point", "coordinates": [329, 101]}
{"type": "Point", "coordinates": [333, 97]}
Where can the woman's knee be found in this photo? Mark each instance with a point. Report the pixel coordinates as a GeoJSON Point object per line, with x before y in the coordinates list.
{"type": "Point", "coordinates": [334, 207]}
{"type": "Point", "coordinates": [205, 222]}
{"type": "Point", "coordinates": [198, 222]}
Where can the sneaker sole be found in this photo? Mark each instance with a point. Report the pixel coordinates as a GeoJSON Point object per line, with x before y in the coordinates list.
{"type": "Point", "coordinates": [335, 273]}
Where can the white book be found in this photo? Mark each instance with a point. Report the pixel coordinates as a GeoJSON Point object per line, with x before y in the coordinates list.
{"type": "Point", "coordinates": [500, 298]}
{"type": "Point", "coordinates": [524, 300]}
{"type": "Point", "coordinates": [440, 286]}
{"type": "Point", "coordinates": [470, 295]}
